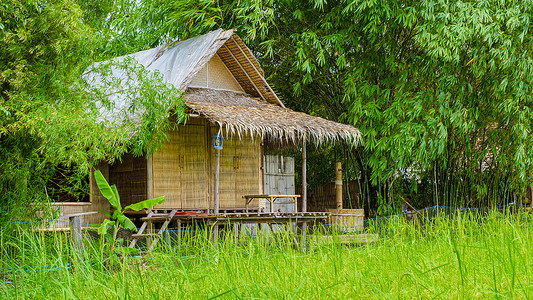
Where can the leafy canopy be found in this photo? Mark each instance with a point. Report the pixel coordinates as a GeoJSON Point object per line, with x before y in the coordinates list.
{"type": "Point", "coordinates": [49, 117]}
{"type": "Point", "coordinates": [441, 90]}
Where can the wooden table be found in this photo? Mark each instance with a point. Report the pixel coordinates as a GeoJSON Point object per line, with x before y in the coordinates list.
{"type": "Point", "coordinates": [271, 199]}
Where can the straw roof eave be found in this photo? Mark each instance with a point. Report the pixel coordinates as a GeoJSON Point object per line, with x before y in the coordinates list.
{"type": "Point", "coordinates": [239, 114]}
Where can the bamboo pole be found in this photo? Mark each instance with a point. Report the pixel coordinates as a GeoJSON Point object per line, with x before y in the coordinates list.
{"type": "Point", "coordinates": [338, 184]}
{"type": "Point", "coordinates": [304, 177]}
{"type": "Point", "coordinates": [244, 71]}
{"type": "Point", "coordinates": [216, 205]}
{"type": "Point", "coordinates": [258, 73]}
{"type": "Point", "coordinates": [304, 192]}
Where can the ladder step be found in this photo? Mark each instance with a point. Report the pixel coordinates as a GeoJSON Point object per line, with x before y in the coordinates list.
{"type": "Point", "coordinates": [155, 219]}
{"type": "Point", "coordinates": [140, 235]}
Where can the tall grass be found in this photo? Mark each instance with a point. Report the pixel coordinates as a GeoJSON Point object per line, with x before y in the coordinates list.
{"type": "Point", "coordinates": [453, 256]}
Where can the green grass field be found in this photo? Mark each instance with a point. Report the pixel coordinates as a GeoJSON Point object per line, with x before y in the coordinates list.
{"type": "Point", "coordinates": [464, 256]}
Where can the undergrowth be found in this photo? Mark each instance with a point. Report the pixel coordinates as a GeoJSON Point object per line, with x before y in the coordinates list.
{"type": "Point", "coordinates": [451, 256]}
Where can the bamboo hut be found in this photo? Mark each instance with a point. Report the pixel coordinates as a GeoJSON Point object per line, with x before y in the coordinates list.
{"type": "Point", "coordinates": [226, 93]}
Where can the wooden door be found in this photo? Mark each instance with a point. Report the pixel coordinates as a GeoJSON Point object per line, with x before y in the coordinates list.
{"type": "Point", "coordinates": [166, 172]}
{"type": "Point", "coordinates": [227, 171]}
{"type": "Point", "coordinates": [179, 169]}
{"type": "Point", "coordinates": [240, 169]}
{"type": "Point", "coordinates": [194, 177]}
{"type": "Point", "coordinates": [247, 169]}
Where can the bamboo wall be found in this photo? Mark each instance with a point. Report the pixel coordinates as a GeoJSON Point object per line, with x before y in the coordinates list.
{"type": "Point", "coordinates": [323, 197]}
{"type": "Point", "coordinates": [130, 176]}
{"type": "Point", "coordinates": [179, 171]}
{"type": "Point", "coordinates": [98, 202]}
{"type": "Point", "coordinates": [183, 170]}
{"type": "Point", "coordinates": [240, 170]}
{"type": "Point", "coordinates": [215, 75]}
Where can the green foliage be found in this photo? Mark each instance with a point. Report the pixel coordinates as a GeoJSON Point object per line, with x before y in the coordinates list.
{"type": "Point", "coordinates": [50, 117]}
{"type": "Point", "coordinates": [479, 256]}
{"type": "Point", "coordinates": [441, 90]}
{"type": "Point", "coordinates": [118, 217]}
{"type": "Point", "coordinates": [145, 204]}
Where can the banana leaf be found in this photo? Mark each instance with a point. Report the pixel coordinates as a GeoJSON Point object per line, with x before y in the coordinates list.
{"type": "Point", "coordinates": [146, 204]}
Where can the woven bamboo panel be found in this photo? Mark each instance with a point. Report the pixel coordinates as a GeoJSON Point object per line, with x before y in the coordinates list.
{"type": "Point", "coordinates": [215, 75]}
{"type": "Point", "coordinates": [98, 202]}
{"type": "Point", "coordinates": [166, 172]}
{"type": "Point", "coordinates": [247, 155]}
{"type": "Point", "coordinates": [179, 169]}
{"type": "Point", "coordinates": [349, 220]}
{"type": "Point", "coordinates": [200, 80]}
{"type": "Point", "coordinates": [219, 77]}
{"type": "Point", "coordinates": [194, 180]}
{"type": "Point", "coordinates": [129, 175]}
{"type": "Point", "coordinates": [240, 163]}
{"type": "Point", "coordinates": [227, 171]}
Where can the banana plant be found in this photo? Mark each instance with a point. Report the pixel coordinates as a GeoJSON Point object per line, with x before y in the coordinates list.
{"type": "Point", "coordinates": [118, 219]}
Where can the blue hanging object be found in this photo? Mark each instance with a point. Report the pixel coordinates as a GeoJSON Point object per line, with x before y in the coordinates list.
{"type": "Point", "coordinates": [218, 141]}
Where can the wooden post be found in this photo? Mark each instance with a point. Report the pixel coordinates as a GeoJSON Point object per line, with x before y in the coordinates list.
{"type": "Point", "coordinates": [217, 182]}
{"type": "Point", "coordinates": [149, 240]}
{"type": "Point", "coordinates": [304, 192]}
{"type": "Point", "coordinates": [214, 233]}
{"type": "Point", "coordinates": [75, 232]}
{"type": "Point", "coordinates": [75, 229]}
{"type": "Point", "coordinates": [338, 184]}
{"type": "Point", "coordinates": [236, 229]}
{"type": "Point", "coordinates": [304, 177]}
{"type": "Point", "coordinates": [178, 228]}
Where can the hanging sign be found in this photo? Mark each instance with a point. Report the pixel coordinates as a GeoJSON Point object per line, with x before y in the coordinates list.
{"type": "Point", "coordinates": [218, 141]}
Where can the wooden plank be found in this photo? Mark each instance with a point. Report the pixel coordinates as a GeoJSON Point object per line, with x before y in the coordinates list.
{"type": "Point", "coordinates": [141, 235]}
{"type": "Point", "coordinates": [269, 196]}
{"type": "Point", "coordinates": [163, 229]}
{"type": "Point", "coordinates": [217, 183]}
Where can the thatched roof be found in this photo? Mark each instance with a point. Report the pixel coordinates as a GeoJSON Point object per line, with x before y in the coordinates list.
{"type": "Point", "coordinates": [239, 113]}
{"type": "Point", "coordinates": [258, 111]}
